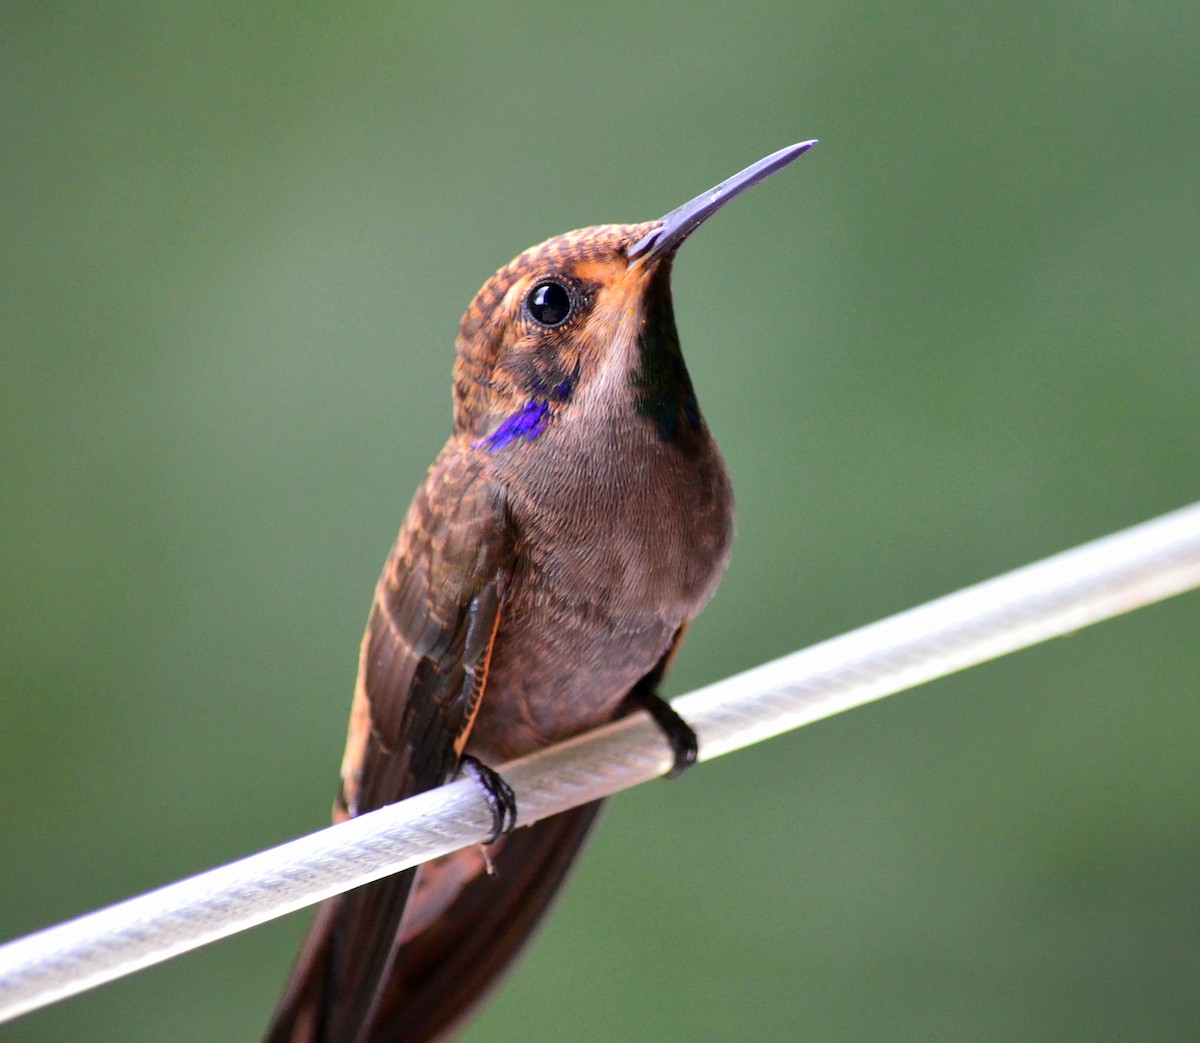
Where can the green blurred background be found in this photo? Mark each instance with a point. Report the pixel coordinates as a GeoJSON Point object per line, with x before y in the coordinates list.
{"type": "Point", "coordinates": [957, 337]}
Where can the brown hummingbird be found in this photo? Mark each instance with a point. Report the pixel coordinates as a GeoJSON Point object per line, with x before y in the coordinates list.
{"type": "Point", "coordinates": [576, 521]}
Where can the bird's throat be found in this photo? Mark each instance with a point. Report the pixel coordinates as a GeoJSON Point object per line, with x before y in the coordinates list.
{"type": "Point", "coordinates": [662, 388]}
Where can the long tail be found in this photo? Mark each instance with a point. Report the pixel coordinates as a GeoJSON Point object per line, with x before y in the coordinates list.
{"type": "Point", "coordinates": [441, 973]}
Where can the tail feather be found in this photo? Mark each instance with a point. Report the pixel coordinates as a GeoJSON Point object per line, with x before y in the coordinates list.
{"type": "Point", "coordinates": [444, 973]}
{"type": "Point", "coordinates": [438, 976]}
{"type": "Point", "coordinates": [300, 1015]}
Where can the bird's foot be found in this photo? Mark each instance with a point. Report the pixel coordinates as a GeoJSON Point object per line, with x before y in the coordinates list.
{"type": "Point", "coordinates": [678, 733]}
{"type": "Point", "coordinates": [498, 794]}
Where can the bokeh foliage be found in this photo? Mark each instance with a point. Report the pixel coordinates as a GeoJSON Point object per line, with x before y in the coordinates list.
{"type": "Point", "coordinates": [958, 336]}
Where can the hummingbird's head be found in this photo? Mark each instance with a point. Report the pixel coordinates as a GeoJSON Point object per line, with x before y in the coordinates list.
{"type": "Point", "coordinates": [585, 321]}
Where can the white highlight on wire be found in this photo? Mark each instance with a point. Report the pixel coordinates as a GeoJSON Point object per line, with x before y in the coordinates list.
{"type": "Point", "coordinates": [1053, 597]}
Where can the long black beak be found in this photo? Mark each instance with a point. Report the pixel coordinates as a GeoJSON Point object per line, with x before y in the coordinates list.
{"type": "Point", "coordinates": [682, 221]}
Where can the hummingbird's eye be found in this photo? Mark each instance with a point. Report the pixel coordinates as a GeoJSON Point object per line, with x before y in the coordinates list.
{"type": "Point", "coordinates": [549, 303]}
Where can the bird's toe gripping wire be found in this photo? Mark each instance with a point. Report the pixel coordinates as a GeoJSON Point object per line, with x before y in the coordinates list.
{"type": "Point", "coordinates": [679, 734]}
{"type": "Point", "coordinates": [498, 794]}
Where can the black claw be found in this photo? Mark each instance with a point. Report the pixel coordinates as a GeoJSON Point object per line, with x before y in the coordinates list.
{"type": "Point", "coordinates": [497, 793]}
{"type": "Point", "coordinates": [684, 744]}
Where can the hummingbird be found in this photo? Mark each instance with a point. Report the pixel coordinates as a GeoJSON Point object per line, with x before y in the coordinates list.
{"type": "Point", "coordinates": [576, 521]}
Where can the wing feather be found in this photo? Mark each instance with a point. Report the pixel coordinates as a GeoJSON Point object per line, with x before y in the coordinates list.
{"type": "Point", "coordinates": [422, 675]}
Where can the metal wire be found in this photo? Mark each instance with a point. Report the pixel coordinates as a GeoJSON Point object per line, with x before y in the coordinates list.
{"type": "Point", "coordinates": [1096, 581]}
